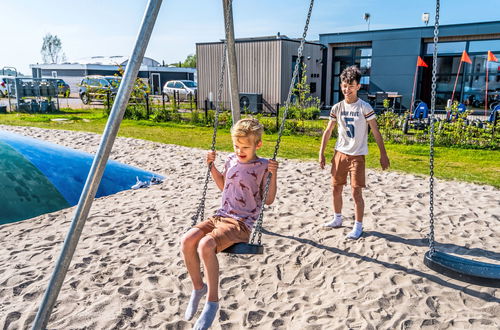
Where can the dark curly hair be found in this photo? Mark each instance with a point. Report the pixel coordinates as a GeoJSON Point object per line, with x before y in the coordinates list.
{"type": "Point", "coordinates": [350, 74]}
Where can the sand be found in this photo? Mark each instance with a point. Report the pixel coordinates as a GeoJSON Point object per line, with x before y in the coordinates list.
{"type": "Point", "coordinates": [127, 271]}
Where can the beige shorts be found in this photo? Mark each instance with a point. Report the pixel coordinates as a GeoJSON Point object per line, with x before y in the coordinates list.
{"type": "Point", "coordinates": [225, 231]}
{"type": "Point", "coordinates": [343, 164]}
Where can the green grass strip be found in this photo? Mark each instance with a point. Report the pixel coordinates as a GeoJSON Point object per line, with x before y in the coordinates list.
{"type": "Point", "coordinates": [477, 166]}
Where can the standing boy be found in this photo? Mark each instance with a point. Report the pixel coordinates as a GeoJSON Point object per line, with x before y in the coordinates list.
{"type": "Point", "coordinates": [352, 116]}
{"type": "Point", "coordinates": [242, 183]}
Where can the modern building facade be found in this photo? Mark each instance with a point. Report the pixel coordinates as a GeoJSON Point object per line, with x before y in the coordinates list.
{"type": "Point", "coordinates": [150, 70]}
{"type": "Point", "coordinates": [265, 67]}
{"type": "Point", "coordinates": [387, 59]}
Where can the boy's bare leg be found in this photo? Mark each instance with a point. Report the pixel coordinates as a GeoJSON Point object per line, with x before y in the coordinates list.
{"type": "Point", "coordinates": [207, 251]}
{"type": "Point", "coordinates": [359, 203]}
{"type": "Point", "coordinates": [337, 198]}
{"type": "Point", "coordinates": [336, 222]}
{"type": "Point", "coordinates": [189, 245]}
{"type": "Point", "coordinates": [359, 209]}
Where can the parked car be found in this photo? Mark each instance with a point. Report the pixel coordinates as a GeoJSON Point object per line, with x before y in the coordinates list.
{"type": "Point", "coordinates": [94, 88]}
{"type": "Point", "coordinates": [63, 88]}
{"type": "Point", "coordinates": [185, 89]}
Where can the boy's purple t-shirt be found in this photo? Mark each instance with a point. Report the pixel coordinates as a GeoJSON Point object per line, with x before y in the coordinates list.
{"type": "Point", "coordinates": [243, 188]}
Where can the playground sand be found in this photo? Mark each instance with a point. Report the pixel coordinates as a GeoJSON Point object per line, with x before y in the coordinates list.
{"type": "Point", "coordinates": [127, 271]}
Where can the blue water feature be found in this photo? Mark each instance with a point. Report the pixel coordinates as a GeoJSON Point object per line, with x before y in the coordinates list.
{"type": "Point", "coordinates": [40, 177]}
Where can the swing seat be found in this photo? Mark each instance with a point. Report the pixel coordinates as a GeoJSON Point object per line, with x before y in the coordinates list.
{"type": "Point", "coordinates": [245, 248]}
{"type": "Point", "coordinates": [475, 272]}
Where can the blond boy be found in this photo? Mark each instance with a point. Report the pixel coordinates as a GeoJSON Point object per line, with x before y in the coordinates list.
{"type": "Point", "coordinates": [242, 183]}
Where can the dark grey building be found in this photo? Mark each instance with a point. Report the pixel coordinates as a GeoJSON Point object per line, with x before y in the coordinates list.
{"type": "Point", "coordinates": [387, 59]}
{"type": "Point", "coordinates": [265, 67]}
{"type": "Point", "coordinates": [150, 70]}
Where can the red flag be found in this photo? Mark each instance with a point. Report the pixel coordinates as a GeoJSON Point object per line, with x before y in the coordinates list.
{"type": "Point", "coordinates": [420, 62]}
{"type": "Point", "coordinates": [465, 57]}
{"type": "Point", "coordinates": [491, 57]}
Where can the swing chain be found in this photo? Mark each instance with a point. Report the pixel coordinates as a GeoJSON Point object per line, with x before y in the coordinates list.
{"type": "Point", "coordinates": [431, 152]}
{"type": "Point", "coordinates": [258, 225]}
{"type": "Point", "coordinates": [200, 212]}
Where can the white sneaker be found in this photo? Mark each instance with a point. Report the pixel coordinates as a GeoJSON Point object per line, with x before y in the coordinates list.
{"type": "Point", "coordinates": [140, 184]}
{"type": "Point", "coordinates": [335, 223]}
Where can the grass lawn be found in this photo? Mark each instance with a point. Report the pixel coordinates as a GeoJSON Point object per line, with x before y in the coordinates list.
{"type": "Point", "coordinates": [478, 166]}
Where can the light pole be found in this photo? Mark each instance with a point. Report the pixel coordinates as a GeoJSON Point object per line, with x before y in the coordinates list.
{"type": "Point", "coordinates": [425, 18]}
{"type": "Point", "coordinates": [366, 17]}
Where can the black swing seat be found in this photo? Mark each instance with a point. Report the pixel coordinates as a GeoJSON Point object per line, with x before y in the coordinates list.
{"type": "Point", "coordinates": [475, 272]}
{"type": "Point", "coordinates": [245, 248]}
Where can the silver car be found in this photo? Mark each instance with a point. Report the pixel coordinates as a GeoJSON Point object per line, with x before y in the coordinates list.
{"type": "Point", "coordinates": [185, 89]}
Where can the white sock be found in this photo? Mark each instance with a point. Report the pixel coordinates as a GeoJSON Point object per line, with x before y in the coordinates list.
{"type": "Point", "coordinates": [356, 231]}
{"type": "Point", "coordinates": [192, 307]}
{"type": "Point", "coordinates": [207, 316]}
{"type": "Point", "coordinates": [336, 221]}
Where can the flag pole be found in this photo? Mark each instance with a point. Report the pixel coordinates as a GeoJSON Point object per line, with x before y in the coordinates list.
{"type": "Point", "coordinates": [456, 80]}
{"type": "Point", "coordinates": [486, 92]}
{"type": "Point", "coordinates": [413, 91]}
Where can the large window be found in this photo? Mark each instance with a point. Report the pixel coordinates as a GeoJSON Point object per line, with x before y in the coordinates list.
{"type": "Point", "coordinates": [347, 56]}
{"type": "Point", "coordinates": [471, 83]}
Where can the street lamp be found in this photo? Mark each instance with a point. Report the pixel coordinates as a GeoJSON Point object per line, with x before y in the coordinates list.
{"type": "Point", "coordinates": [367, 19]}
{"type": "Point", "coordinates": [425, 18]}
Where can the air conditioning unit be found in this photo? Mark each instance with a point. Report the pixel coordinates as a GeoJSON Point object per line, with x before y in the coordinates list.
{"type": "Point", "coordinates": [250, 102]}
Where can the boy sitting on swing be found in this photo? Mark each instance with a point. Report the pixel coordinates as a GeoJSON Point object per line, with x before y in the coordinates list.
{"type": "Point", "coordinates": [242, 184]}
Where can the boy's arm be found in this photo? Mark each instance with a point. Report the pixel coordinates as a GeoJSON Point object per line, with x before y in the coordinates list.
{"type": "Point", "coordinates": [216, 175]}
{"type": "Point", "coordinates": [273, 169]}
{"type": "Point", "coordinates": [324, 141]}
{"type": "Point", "coordinates": [384, 160]}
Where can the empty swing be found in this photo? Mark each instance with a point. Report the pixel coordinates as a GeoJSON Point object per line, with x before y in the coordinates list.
{"type": "Point", "coordinates": [471, 271]}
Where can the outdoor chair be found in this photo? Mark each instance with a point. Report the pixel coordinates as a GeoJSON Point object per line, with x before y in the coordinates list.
{"type": "Point", "coordinates": [379, 101]}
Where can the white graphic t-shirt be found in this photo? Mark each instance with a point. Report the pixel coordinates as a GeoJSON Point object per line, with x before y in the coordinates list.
{"type": "Point", "coordinates": [352, 121]}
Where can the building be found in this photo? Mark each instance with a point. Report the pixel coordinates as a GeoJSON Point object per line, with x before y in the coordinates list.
{"type": "Point", "coordinates": [265, 68]}
{"type": "Point", "coordinates": [387, 59]}
{"type": "Point", "coordinates": [151, 70]}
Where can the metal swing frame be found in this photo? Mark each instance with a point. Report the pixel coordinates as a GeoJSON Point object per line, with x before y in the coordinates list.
{"type": "Point", "coordinates": [471, 271]}
{"type": "Point", "coordinates": [251, 247]}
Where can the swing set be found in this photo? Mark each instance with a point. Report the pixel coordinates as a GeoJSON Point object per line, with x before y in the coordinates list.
{"type": "Point", "coordinates": [463, 269]}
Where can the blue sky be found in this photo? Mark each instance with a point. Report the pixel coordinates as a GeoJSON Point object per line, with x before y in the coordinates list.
{"type": "Point", "coordinates": [109, 27]}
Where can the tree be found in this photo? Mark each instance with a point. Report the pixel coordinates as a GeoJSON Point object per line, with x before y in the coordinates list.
{"type": "Point", "coordinates": [52, 49]}
{"type": "Point", "coordinates": [190, 61]}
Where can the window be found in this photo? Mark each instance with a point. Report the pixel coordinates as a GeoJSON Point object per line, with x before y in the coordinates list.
{"type": "Point", "coordinates": [54, 74]}
{"type": "Point", "coordinates": [339, 52]}
{"type": "Point", "coordinates": [347, 56]}
{"type": "Point", "coordinates": [170, 84]}
{"type": "Point", "coordinates": [446, 47]}
{"type": "Point", "coordinates": [312, 87]}
{"type": "Point", "coordinates": [178, 85]}
{"type": "Point", "coordinates": [484, 46]}
{"type": "Point", "coordinates": [189, 83]}
{"type": "Point", "coordinates": [294, 62]}
{"type": "Point", "coordinates": [363, 52]}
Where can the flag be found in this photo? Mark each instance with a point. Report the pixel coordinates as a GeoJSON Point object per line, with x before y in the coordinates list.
{"type": "Point", "coordinates": [420, 62]}
{"type": "Point", "coordinates": [465, 57]}
{"type": "Point", "coordinates": [491, 57]}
